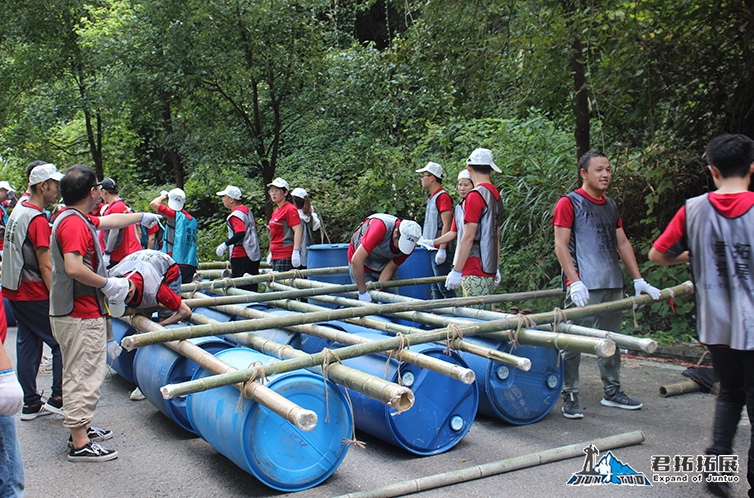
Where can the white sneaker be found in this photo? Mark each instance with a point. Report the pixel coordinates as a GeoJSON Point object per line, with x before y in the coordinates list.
{"type": "Point", "coordinates": [136, 395]}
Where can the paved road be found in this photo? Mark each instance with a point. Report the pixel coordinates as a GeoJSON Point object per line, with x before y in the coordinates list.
{"type": "Point", "coordinates": [159, 459]}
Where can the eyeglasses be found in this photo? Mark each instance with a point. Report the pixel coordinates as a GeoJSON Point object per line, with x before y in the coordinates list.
{"type": "Point", "coordinates": [424, 175]}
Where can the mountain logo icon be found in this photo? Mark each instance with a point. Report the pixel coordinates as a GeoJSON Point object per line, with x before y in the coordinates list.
{"type": "Point", "coordinates": [607, 470]}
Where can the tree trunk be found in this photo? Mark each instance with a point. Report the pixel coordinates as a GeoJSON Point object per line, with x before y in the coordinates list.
{"type": "Point", "coordinates": [581, 104]}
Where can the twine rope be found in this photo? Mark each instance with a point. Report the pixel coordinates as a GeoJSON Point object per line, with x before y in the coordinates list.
{"type": "Point", "coordinates": [405, 342]}
{"type": "Point", "coordinates": [258, 373]}
{"type": "Point", "coordinates": [454, 332]}
{"type": "Point", "coordinates": [328, 355]}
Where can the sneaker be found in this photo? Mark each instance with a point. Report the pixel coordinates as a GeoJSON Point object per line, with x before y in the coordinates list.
{"type": "Point", "coordinates": [91, 452]}
{"type": "Point", "coordinates": [95, 434]}
{"type": "Point", "coordinates": [571, 407]}
{"type": "Point", "coordinates": [137, 395]}
{"type": "Point", "coordinates": [30, 412]}
{"type": "Point", "coordinates": [620, 400]}
{"type": "Point", "coordinates": [54, 405]}
{"type": "Point", "coordinates": [45, 366]}
{"type": "Point", "coordinates": [718, 488]}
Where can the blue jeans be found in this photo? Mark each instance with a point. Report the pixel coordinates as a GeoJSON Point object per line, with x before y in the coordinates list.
{"type": "Point", "coordinates": [439, 291]}
{"type": "Point", "coordinates": [11, 464]}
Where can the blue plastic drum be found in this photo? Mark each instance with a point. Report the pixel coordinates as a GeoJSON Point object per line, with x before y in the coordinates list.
{"type": "Point", "coordinates": [326, 256]}
{"type": "Point", "coordinates": [124, 363]}
{"type": "Point", "coordinates": [443, 411]}
{"type": "Point", "coordinates": [418, 265]}
{"type": "Point", "coordinates": [264, 444]}
{"type": "Point", "coordinates": [213, 314]}
{"type": "Point", "coordinates": [515, 396]}
{"type": "Point", "coordinates": [157, 365]}
{"type": "Point", "coordinates": [302, 342]}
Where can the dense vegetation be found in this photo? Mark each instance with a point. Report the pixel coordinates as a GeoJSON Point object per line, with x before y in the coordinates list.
{"type": "Point", "coordinates": [348, 97]}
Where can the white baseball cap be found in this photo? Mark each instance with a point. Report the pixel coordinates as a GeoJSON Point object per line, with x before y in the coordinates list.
{"type": "Point", "coordinates": [117, 303]}
{"type": "Point", "coordinates": [231, 191]}
{"type": "Point", "coordinates": [44, 172]}
{"type": "Point", "coordinates": [299, 192]}
{"type": "Point", "coordinates": [433, 168]}
{"type": "Point", "coordinates": [177, 199]}
{"type": "Point", "coordinates": [6, 186]}
{"type": "Point", "coordinates": [410, 231]}
{"type": "Point", "coordinates": [279, 183]}
{"type": "Point", "coordinates": [464, 173]}
{"type": "Point", "coordinates": [482, 157]}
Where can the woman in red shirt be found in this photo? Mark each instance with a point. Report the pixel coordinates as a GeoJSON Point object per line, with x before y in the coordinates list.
{"type": "Point", "coordinates": [285, 229]}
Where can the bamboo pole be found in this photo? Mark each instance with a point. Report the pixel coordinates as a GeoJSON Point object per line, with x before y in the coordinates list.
{"type": "Point", "coordinates": [214, 274]}
{"type": "Point", "coordinates": [500, 467]}
{"type": "Point", "coordinates": [266, 277]}
{"type": "Point", "coordinates": [302, 418]}
{"type": "Point", "coordinates": [430, 336]}
{"type": "Point", "coordinates": [688, 386]}
{"type": "Point", "coordinates": [212, 265]}
{"type": "Point", "coordinates": [399, 397]}
{"type": "Point", "coordinates": [621, 340]}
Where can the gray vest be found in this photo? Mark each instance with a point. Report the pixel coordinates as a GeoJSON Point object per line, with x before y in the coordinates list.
{"type": "Point", "coordinates": [378, 259]}
{"type": "Point", "coordinates": [20, 261]}
{"type": "Point", "coordinates": [723, 266]}
{"type": "Point", "coordinates": [307, 235]}
{"type": "Point", "coordinates": [432, 219]}
{"type": "Point", "coordinates": [153, 267]}
{"type": "Point", "coordinates": [485, 246]}
{"type": "Point", "coordinates": [459, 214]}
{"type": "Point", "coordinates": [64, 287]}
{"type": "Point", "coordinates": [250, 239]}
{"type": "Point", "coordinates": [593, 245]}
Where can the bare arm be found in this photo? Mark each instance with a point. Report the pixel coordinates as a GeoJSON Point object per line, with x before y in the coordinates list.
{"type": "Point", "coordinates": [357, 268]}
{"type": "Point", "coordinates": [663, 259]}
{"type": "Point", "coordinates": [464, 246]}
{"type": "Point", "coordinates": [447, 217]}
{"type": "Point", "coordinates": [112, 221]}
{"type": "Point", "coordinates": [183, 313]}
{"type": "Point", "coordinates": [297, 234]}
{"type": "Point", "coordinates": [388, 272]}
{"type": "Point", "coordinates": [562, 238]}
{"type": "Point", "coordinates": [445, 238]}
{"type": "Point", "coordinates": [626, 252]}
{"type": "Point", "coordinates": [45, 265]}
{"type": "Point", "coordinates": [155, 203]}
{"type": "Point", "coordinates": [77, 270]}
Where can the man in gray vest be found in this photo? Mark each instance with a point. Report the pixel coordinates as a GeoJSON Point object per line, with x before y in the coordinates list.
{"type": "Point", "coordinates": [380, 244]}
{"type": "Point", "coordinates": [437, 222]}
{"type": "Point", "coordinates": [715, 233]}
{"type": "Point", "coordinates": [477, 262]}
{"type": "Point", "coordinates": [589, 238]}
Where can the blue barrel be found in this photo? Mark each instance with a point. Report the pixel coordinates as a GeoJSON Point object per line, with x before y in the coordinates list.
{"type": "Point", "coordinates": [213, 314]}
{"type": "Point", "coordinates": [9, 316]}
{"type": "Point", "coordinates": [157, 365]}
{"type": "Point", "coordinates": [262, 443]}
{"type": "Point", "coordinates": [444, 408]}
{"type": "Point", "coordinates": [513, 395]}
{"type": "Point", "coordinates": [328, 255]}
{"type": "Point", "coordinates": [302, 342]}
{"type": "Point", "coordinates": [417, 265]}
{"type": "Point", "coordinates": [124, 363]}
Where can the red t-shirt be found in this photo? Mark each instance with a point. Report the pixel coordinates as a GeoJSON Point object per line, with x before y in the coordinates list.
{"type": "Point", "coordinates": [131, 241]}
{"type": "Point", "coordinates": [289, 213]}
{"type": "Point", "coordinates": [39, 234]}
{"type": "Point", "coordinates": [473, 212]}
{"type": "Point", "coordinates": [73, 236]}
{"type": "Point", "coordinates": [165, 294]}
{"type": "Point", "coordinates": [373, 237]}
{"type": "Point", "coordinates": [728, 205]}
{"type": "Point", "coordinates": [237, 225]}
{"type": "Point", "coordinates": [443, 201]}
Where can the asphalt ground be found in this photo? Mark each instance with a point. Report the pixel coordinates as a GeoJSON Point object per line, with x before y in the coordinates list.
{"type": "Point", "coordinates": [157, 458]}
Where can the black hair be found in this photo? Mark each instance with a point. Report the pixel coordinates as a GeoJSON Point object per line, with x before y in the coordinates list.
{"type": "Point", "coordinates": [77, 181]}
{"type": "Point", "coordinates": [732, 155]}
{"type": "Point", "coordinates": [585, 160]}
{"type": "Point", "coordinates": [484, 169]}
{"type": "Point", "coordinates": [32, 165]}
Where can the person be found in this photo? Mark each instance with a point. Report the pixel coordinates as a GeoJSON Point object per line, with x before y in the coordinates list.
{"type": "Point", "coordinates": [179, 240]}
{"type": "Point", "coordinates": [11, 400]}
{"type": "Point", "coordinates": [116, 243]}
{"type": "Point", "coordinates": [309, 222]}
{"type": "Point", "coordinates": [714, 233]}
{"type": "Point", "coordinates": [437, 222]}
{"type": "Point", "coordinates": [589, 238]}
{"type": "Point", "coordinates": [79, 286]}
{"type": "Point", "coordinates": [5, 194]}
{"type": "Point", "coordinates": [154, 278]}
{"type": "Point", "coordinates": [26, 275]}
{"type": "Point", "coordinates": [476, 268]}
{"type": "Point", "coordinates": [285, 229]}
{"type": "Point", "coordinates": [242, 237]}
{"type": "Point", "coordinates": [463, 187]}
{"type": "Point", "coordinates": [379, 245]}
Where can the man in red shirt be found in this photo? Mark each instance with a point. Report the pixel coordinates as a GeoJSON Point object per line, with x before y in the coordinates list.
{"type": "Point", "coordinates": [26, 275]}
{"type": "Point", "coordinates": [380, 244]}
{"type": "Point", "coordinates": [120, 242]}
{"type": "Point", "coordinates": [478, 259]}
{"type": "Point", "coordinates": [79, 286]}
{"type": "Point", "coordinates": [437, 221]}
{"type": "Point", "coordinates": [589, 238]}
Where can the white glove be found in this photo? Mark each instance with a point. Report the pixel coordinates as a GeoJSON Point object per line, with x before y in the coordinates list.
{"type": "Point", "coordinates": [113, 349]}
{"type": "Point", "coordinates": [296, 258]}
{"type": "Point", "coordinates": [11, 394]}
{"type": "Point", "coordinates": [116, 289]}
{"type": "Point", "coordinates": [641, 285]}
{"type": "Point", "coordinates": [148, 220]}
{"type": "Point", "coordinates": [453, 280]}
{"type": "Point", "coordinates": [364, 296]}
{"type": "Point", "coordinates": [427, 243]}
{"type": "Point", "coordinates": [221, 249]}
{"type": "Point", "coordinates": [269, 258]}
{"type": "Point", "coordinates": [164, 193]}
{"type": "Point", "coordinates": [497, 277]}
{"type": "Point", "coordinates": [106, 259]}
{"type": "Point", "coordinates": [579, 294]}
{"type": "Point", "coordinates": [440, 256]}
